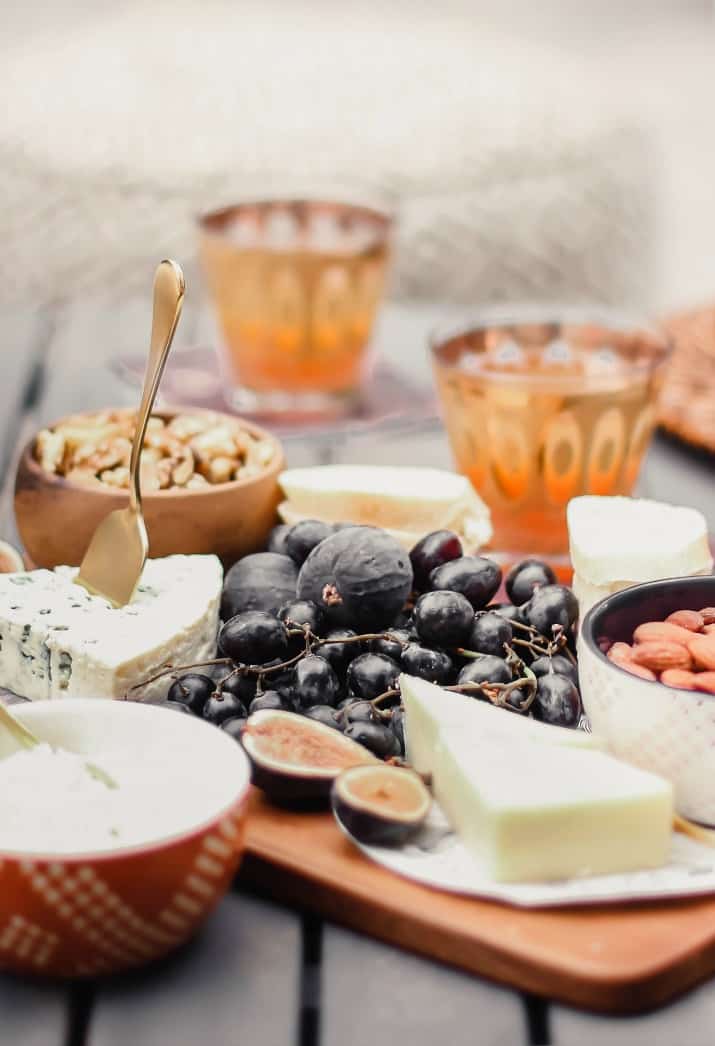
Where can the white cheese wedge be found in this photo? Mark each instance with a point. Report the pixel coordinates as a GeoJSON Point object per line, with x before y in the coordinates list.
{"type": "Point", "coordinates": [56, 640]}
{"type": "Point", "coordinates": [411, 500]}
{"type": "Point", "coordinates": [430, 711]}
{"type": "Point", "coordinates": [532, 812]}
{"type": "Point", "coordinates": [616, 542]}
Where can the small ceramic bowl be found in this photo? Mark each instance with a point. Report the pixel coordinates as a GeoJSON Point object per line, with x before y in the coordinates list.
{"type": "Point", "coordinates": [56, 517]}
{"type": "Point", "coordinates": [659, 728]}
{"type": "Point", "coordinates": [84, 914]}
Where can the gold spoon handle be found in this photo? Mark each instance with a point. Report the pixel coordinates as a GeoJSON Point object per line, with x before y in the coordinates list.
{"type": "Point", "coordinates": [19, 731]}
{"type": "Point", "coordinates": [169, 287]}
{"type": "Point", "coordinates": [695, 831]}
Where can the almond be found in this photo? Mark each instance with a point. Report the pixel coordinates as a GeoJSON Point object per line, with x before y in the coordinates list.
{"type": "Point", "coordinates": [690, 619]}
{"type": "Point", "coordinates": [651, 631]}
{"type": "Point", "coordinates": [708, 615]}
{"type": "Point", "coordinates": [620, 652]}
{"type": "Point", "coordinates": [702, 649]}
{"type": "Point", "coordinates": [680, 678]}
{"type": "Point", "coordinates": [705, 681]}
{"type": "Point", "coordinates": [659, 654]}
{"type": "Point", "coordinates": [636, 670]}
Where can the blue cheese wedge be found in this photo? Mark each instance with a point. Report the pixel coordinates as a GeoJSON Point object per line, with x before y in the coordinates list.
{"type": "Point", "coordinates": [531, 812]}
{"type": "Point", "coordinates": [429, 710]}
{"type": "Point", "coordinates": [57, 640]}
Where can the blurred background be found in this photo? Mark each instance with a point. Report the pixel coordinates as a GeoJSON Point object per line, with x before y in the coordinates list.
{"type": "Point", "coordinates": [559, 149]}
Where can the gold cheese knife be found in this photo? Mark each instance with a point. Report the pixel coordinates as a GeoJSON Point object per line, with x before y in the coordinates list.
{"type": "Point", "coordinates": [117, 552]}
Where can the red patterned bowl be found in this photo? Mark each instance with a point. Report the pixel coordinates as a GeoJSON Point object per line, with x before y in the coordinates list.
{"type": "Point", "coordinates": [83, 914]}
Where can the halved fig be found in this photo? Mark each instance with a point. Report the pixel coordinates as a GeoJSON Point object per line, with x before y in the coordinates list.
{"type": "Point", "coordinates": [380, 805]}
{"type": "Point", "coordinates": [10, 559]}
{"type": "Point", "coordinates": [294, 759]}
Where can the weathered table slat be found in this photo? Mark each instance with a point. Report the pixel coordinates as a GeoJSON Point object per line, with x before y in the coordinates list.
{"type": "Point", "coordinates": [371, 990]}
{"type": "Point", "coordinates": [689, 1021]}
{"type": "Point", "coordinates": [32, 1014]}
{"type": "Point", "coordinates": [238, 982]}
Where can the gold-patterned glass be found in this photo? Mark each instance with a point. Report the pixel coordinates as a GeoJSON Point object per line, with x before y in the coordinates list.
{"type": "Point", "coordinates": [296, 285]}
{"type": "Point", "coordinates": [540, 409]}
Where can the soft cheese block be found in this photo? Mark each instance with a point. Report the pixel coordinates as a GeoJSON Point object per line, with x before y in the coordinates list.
{"type": "Point", "coordinates": [57, 640]}
{"type": "Point", "coordinates": [531, 812]}
{"type": "Point", "coordinates": [616, 542]}
{"type": "Point", "coordinates": [411, 500]}
{"type": "Point", "coordinates": [429, 709]}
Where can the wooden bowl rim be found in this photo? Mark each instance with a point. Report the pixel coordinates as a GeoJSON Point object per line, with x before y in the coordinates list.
{"type": "Point", "coordinates": [276, 465]}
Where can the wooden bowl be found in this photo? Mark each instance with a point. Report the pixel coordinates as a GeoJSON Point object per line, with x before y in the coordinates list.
{"type": "Point", "coordinates": [56, 518]}
{"type": "Point", "coordinates": [80, 914]}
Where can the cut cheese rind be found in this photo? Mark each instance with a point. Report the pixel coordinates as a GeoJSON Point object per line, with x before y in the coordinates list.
{"type": "Point", "coordinates": [60, 641]}
{"type": "Point", "coordinates": [430, 711]}
{"type": "Point", "coordinates": [619, 540]}
{"type": "Point", "coordinates": [532, 812]}
{"type": "Point", "coordinates": [415, 500]}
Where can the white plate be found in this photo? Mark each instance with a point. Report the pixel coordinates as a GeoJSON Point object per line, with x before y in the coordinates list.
{"type": "Point", "coordinates": [436, 858]}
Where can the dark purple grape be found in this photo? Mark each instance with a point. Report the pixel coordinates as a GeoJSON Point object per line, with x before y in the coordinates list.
{"type": "Point", "coordinates": [302, 538]}
{"type": "Point", "coordinates": [253, 637]}
{"type": "Point", "coordinates": [261, 581]}
{"type": "Point", "coordinates": [372, 674]}
{"type": "Point", "coordinates": [443, 618]}
{"type": "Point", "coordinates": [314, 682]}
{"type": "Point", "coordinates": [404, 622]}
{"type": "Point", "coordinates": [192, 690]}
{"type": "Point", "coordinates": [549, 606]}
{"type": "Point", "coordinates": [557, 701]}
{"type": "Point", "coordinates": [506, 610]}
{"type": "Point", "coordinates": [525, 577]}
{"type": "Point", "coordinates": [220, 707]}
{"type": "Point", "coordinates": [337, 654]}
{"type": "Point", "coordinates": [389, 646]}
{"type": "Point", "coordinates": [475, 577]}
{"type": "Point", "coordinates": [171, 706]}
{"type": "Point", "coordinates": [302, 612]}
{"type": "Point", "coordinates": [277, 539]}
{"type": "Point", "coordinates": [398, 728]}
{"type": "Point", "coordinates": [559, 664]}
{"type": "Point", "coordinates": [234, 727]}
{"type": "Point", "coordinates": [324, 714]}
{"type": "Point", "coordinates": [485, 669]}
{"type": "Point", "coordinates": [431, 552]}
{"type": "Point", "coordinates": [518, 699]}
{"type": "Point", "coordinates": [268, 699]}
{"type": "Point", "coordinates": [356, 711]}
{"type": "Point", "coordinates": [434, 665]}
{"type": "Point", "coordinates": [376, 737]}
{"type": "Point", "coordinates": [489, 634]}
{"type": "Point", "coordinates": [240, 684]}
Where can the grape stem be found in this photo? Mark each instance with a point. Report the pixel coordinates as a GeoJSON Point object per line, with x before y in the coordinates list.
{"type": "Point", "coordinates": [180, 668]}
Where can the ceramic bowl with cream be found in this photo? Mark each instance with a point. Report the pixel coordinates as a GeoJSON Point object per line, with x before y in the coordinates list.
{"type": "Point", "coordinates": [96, 879]}
{"type": "Point", "coordinates": [660, 728]}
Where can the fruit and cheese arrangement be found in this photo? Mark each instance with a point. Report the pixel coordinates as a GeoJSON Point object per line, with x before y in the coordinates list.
{"type": "Point", "coordinates": [370, 657]}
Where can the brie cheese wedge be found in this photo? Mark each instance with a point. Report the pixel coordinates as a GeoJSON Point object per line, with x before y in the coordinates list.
{"type": "Point", "coordinates": [616, 542]}
{"type": "Point", "coordinates": [431, 712]}
{"type": "Point", "coordinates": [57, 640]}
{"type": "Point", "coordinates": [409, 502]}
{"type": "Point", "coordinates": [532, 812]}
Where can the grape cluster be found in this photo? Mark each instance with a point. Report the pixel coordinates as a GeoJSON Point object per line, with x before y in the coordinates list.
{"type": "Point", "coordinates": [431, 616]}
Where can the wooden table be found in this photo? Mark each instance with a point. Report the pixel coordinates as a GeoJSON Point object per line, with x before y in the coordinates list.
{"type": "Point", "coordinates": [261, 973]}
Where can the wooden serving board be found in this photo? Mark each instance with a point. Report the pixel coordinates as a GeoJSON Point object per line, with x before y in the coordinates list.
{"type": "Point", "coordinates": [623, 958]}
